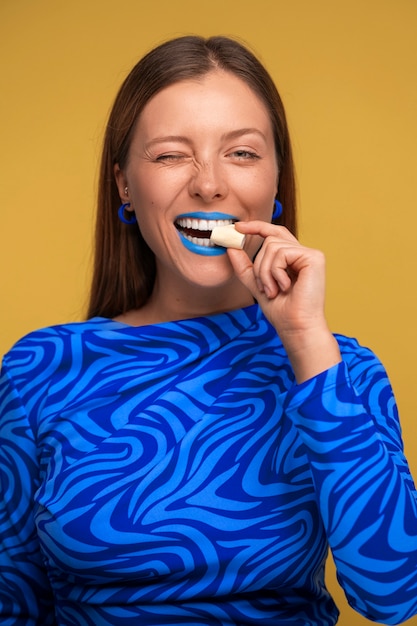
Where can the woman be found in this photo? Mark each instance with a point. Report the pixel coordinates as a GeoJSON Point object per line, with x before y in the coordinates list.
{"type": "Point", "coordinates": [189, 453]}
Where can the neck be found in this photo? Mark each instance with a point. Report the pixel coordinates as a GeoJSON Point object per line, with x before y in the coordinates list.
{"type": "Point", "coordinates": [171, 301]}
{"type": "Point", "coordinates": [173, 304]}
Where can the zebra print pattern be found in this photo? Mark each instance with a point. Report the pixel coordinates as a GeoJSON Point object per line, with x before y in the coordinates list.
{"type": "Point", "coordinates": [175, 474]}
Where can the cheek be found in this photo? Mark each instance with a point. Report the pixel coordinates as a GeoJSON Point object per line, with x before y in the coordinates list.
{"type": "Point", "coordinates": [260, 199]}
{"type": "Point", "coordinates": [261, 184]}
{"type": "Point", "coordinates": [153, 223]}
{"type": "Point", "coordinates": [150, 231]}
{"type": "Point", "coordinates": [154, 191]}
{"type": "Point", "coordinates": [147, 217]}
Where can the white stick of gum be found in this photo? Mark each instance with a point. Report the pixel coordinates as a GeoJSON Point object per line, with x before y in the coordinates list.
{"type": "Point", "coordinates": [227, 236]}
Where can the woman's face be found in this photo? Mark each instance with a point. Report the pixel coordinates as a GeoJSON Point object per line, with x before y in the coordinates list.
{"type": "Point", "coordinates": [202, 151]}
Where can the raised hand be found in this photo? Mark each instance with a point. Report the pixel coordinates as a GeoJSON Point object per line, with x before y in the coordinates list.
{"type": "Point", "coordinates": [288, 281]}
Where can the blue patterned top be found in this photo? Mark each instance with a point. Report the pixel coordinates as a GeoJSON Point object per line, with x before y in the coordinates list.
{"type": "Point", "coordinates": [176, 474]}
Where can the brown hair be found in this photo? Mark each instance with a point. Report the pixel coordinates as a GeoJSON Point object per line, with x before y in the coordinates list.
{"type": "Point", "coordinates": [124, 266]}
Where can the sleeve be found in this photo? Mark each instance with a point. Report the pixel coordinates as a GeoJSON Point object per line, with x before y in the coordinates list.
{"type": "Point", "coordinates": [25, 595]}
{"type": "Point", "coordinates": [347, 418]}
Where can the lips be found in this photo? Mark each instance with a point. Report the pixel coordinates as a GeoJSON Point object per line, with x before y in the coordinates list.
{"type": "Point", "coordinates": [197, 228]}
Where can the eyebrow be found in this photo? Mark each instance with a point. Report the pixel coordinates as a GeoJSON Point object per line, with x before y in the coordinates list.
{"type": "Point", "coordinates": [239, 132]}
{"type": "Point", "coordinates": [167, 138]}
{"type": "Point", "coordinates": [233, 134]}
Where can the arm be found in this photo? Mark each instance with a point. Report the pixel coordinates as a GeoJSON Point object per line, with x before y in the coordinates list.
{"type": "Point", "coordinates": [25, 596]}
{"type": "Point", "coordinates": [346, 415]}
{"type": "Point", "coordinates": [347, 418]}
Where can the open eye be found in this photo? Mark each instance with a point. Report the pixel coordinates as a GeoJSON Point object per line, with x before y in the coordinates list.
{"type": "Point", "coordinates": [244, 154]}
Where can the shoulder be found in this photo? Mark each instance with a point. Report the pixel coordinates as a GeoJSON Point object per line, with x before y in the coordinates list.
{"type": "Point", "coordinates": [58, 332]}
{"type": "Point", "coordinates": [364, 368]}
{"type": "Point", "coordinates": [45, 349]}
{"type": "Point", "coordinates": [354, 352]}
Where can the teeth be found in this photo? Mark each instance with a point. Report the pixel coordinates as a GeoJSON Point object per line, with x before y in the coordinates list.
{"type": "Point", "coordinates": [199, 241]}
{"type": "Point", "coordinates": [186, 222]}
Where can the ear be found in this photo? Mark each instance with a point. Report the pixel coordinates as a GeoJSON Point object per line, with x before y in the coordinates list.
{"type": "Point", "coordinates": [121, 183]}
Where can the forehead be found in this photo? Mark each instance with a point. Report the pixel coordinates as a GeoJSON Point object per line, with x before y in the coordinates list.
{"type": "Point", "coordinates": [218, 97]}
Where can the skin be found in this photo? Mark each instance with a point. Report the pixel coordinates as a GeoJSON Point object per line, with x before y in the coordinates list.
{"type": "Point", "coordinates": [207, 146]}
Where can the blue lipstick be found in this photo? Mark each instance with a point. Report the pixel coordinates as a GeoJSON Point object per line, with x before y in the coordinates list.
{"type": "Point", "coordinates": [200, 215]}
{"type": "Point", "coordinates": [187, 232]}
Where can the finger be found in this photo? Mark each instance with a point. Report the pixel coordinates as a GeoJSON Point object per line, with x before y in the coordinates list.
{"type": "Point", "coordinates": [264, 229]}
{"type": "Point", "coordinates": [272, 266]}
{"type": "Point", "coordinates": [243, 268]}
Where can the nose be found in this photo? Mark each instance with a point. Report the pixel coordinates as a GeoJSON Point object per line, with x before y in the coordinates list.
{"type": "Point", "coordinates": [208, 182]}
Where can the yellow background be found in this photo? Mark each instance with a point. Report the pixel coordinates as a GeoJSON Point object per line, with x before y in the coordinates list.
{"type": "Point", "coordinates": [347, 73]}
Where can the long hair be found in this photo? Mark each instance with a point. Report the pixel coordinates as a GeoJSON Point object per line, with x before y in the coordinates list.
{"type": "Point", "coordinates": [124, 265]}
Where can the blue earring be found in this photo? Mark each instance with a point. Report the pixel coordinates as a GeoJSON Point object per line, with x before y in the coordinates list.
{"type": "Point", "coordinates": [121, 214]}
{"type": "Point", "coordinates": [277, 210]}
